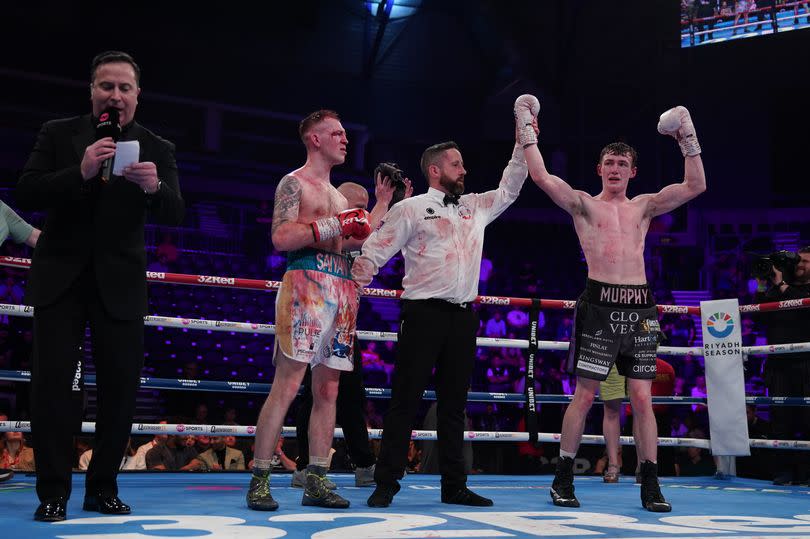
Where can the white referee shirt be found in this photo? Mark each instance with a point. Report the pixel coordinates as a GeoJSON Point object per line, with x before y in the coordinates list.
{"type": "Point", "coordinates": [441, 244]}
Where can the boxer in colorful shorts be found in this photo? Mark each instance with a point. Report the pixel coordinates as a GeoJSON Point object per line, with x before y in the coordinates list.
{"type": "Point", "coordinates": [315, 307]}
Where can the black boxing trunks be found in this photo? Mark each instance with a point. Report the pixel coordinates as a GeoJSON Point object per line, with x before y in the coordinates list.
{"type": "Point", "coordinates": [614, 324]}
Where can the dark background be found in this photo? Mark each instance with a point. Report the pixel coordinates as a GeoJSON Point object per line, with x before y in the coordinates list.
{"type": "Point", "coordinates": [603, 70]}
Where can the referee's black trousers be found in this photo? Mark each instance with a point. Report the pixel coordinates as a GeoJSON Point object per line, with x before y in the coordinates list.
{"type": "Point", "coordinates": [432, 334]}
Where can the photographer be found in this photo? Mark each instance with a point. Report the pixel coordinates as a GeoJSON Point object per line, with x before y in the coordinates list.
{"type": "Point", "coordinates": [787, 375]}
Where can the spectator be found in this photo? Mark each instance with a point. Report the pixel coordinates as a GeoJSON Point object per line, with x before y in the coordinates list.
{"type": "Point", "coordinates": [159, 265]}
{"type": "Point", "coordinates": [16, 455]}
{"type": "Point", "coordinates": [694, 462]}
{"type": "Point", "coordinates": [140, 453]}
{"type": "Point", "coordinates": [530, 456]}
{"type": "Point", "coordinates": [749, 334]}
{"type": "Point", "coordinates": [229, 418]}
{"type": "Point", "coordinates": [682, 331]}
{"type": "Point", "coordinates": [3, 417]}
{"type": "Point", "coordinates": [698, 390]}
{"type": "Point", "coordinates": [489, 421]}
{"type": "Point", "coordinates": [757, 465]}
{"type": "Point", "coordinates": [202, 443]}
{"type": "Point", "coordinates": [371, 359]}
{"type": "Point", "coordinates": [496, 326]}
{"type": "Point", "coordinates": [275, 263]}
{"type": "Point", "coordinates": [5, 473]}
{"type": "Point", "coordinates": [281, 461]}
{"type": "Point", "coordinates": [513, 357]}
{"type": "Point", "coordinates": [487, 271]}
{"type": "Point", "coordinates": [499, 378]}
{"type": "Point", "coordinates": [128, 462]}
{"type": "Point", "coordinates": [200, 414]}
{"type": "Point", "coordinates": [518, 319]}
{"type": "Point", "coordinates": [221, 457]}
{"type": "Point", "coordinates": [167, 250]}
{"type": "Point", "coordinates": [176, 454]}
{"type": "Point", "coordinates": [11, 291]}
{"type": "Point", "coordinates": [414, 458]}
{"type": "Point", "coordinates": [565, 328]}
{"type": "Point", "coordinates": [374, 419]}
{"type": "Point", "coordinates": [788, 375]}
{"type": "Point", "coordinates": [429, 455]}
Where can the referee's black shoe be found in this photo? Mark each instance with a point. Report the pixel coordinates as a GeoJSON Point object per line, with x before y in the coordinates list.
{"type": "Point", "coordinates": [562, 489]}
{"type": "Point", "coordinates": [651, 497]}
{"type": "Point", "coordinates": [465, 496]}
{"type": "Point", "coordinates": [52, 510]}
{"type": "Point", "coordinates": [383, 495]}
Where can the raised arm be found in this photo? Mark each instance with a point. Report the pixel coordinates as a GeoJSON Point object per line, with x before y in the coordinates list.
{"type": "Point", "coordinates": [496, 201]}
{"type": "Point", "coordinates": [526, 109]}
{"type": "Point", "coordinates": [383, 194]}
{"type": "Point", "coordinates": [677, 122]}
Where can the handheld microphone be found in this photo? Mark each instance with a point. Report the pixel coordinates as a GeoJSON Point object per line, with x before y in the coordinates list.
{"type": "Point", "coordinates": [109, 125]}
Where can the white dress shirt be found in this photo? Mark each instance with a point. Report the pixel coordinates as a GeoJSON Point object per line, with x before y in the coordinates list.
{"type": "Point", "coordinates": [441, 244]}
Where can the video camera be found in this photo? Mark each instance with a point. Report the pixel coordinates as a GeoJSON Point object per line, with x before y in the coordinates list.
{"type": "Point", "coordinates": [784, 261]}
{"type": "Point", "coordinates": [392, 171]}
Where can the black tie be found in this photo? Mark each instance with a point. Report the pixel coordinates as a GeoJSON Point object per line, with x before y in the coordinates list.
{"type": "Point", "coordinates": [450, 199]}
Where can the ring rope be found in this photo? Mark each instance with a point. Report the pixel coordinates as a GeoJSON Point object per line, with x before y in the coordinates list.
{"type": "Point", "coordinates": [270, 329]}
{"type": "Point", "coordinates": [381, 393]}
{"type": "Point", "coordinates": [266, 285]}
{"type": "Point", "coordinates": [375, 434]}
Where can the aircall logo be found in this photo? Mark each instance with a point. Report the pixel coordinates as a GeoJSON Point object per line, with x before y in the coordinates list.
{"type": "Point", "coordinates": [720, 325]}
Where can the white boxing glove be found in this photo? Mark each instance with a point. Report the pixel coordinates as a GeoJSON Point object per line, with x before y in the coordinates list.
{"type": "Point", "coordinates": [527, 107]}
{"type": "Point", "coordinates": [677, 122]}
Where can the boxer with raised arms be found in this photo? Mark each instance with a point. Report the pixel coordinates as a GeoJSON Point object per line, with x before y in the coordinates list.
{"type": "Point", "coordinates": [616, 318]}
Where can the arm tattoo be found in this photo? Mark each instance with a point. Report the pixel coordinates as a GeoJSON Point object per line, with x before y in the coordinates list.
{"type": "Point", "coordinates": [287, 202]}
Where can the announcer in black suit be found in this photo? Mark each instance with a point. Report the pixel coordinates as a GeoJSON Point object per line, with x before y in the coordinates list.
{"type": "Point", "coordinates": [89, 266]}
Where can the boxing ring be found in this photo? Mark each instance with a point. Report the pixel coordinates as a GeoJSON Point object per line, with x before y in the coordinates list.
{"type": "Point", "coordinates": [212, 504]}
{"type": "Point", "coordinates": [749, 23]}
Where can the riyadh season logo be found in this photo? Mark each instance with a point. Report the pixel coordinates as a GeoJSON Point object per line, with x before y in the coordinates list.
{"type": "Point", "coordinates": [720, 325]}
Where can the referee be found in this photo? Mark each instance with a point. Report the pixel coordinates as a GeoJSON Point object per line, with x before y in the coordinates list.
{"type": "Point", "coordinates": [441, 235]}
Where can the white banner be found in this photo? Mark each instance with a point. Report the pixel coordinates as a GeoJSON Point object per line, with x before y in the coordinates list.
{"type": "Point", "coordinates": [725, 384]}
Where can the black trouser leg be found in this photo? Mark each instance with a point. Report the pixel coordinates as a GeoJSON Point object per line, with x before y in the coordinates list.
{"type": "Point", "coordinates": [420, 339]}
{"type": "Point", "coordinates": [350, 416]}
{"type": "Point", "coordinates": [58, 336]}
{"type": "Point", "coordinates": [453, 372]}
{"type": "Point", "coordinates": [118, 357]}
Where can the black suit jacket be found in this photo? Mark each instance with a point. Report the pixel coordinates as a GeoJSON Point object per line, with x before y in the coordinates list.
{"type": "Point", "coordinates": [90, 225]}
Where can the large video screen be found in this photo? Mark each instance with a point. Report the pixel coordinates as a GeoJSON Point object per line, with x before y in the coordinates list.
{"type": "Point", "coordinates": [704, 22]}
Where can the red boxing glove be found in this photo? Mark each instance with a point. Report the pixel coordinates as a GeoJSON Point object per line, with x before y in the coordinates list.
{"type": "Point", "coordinates": [354, 223]}
{"type": "Point", "coordinates": [348, 223]}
